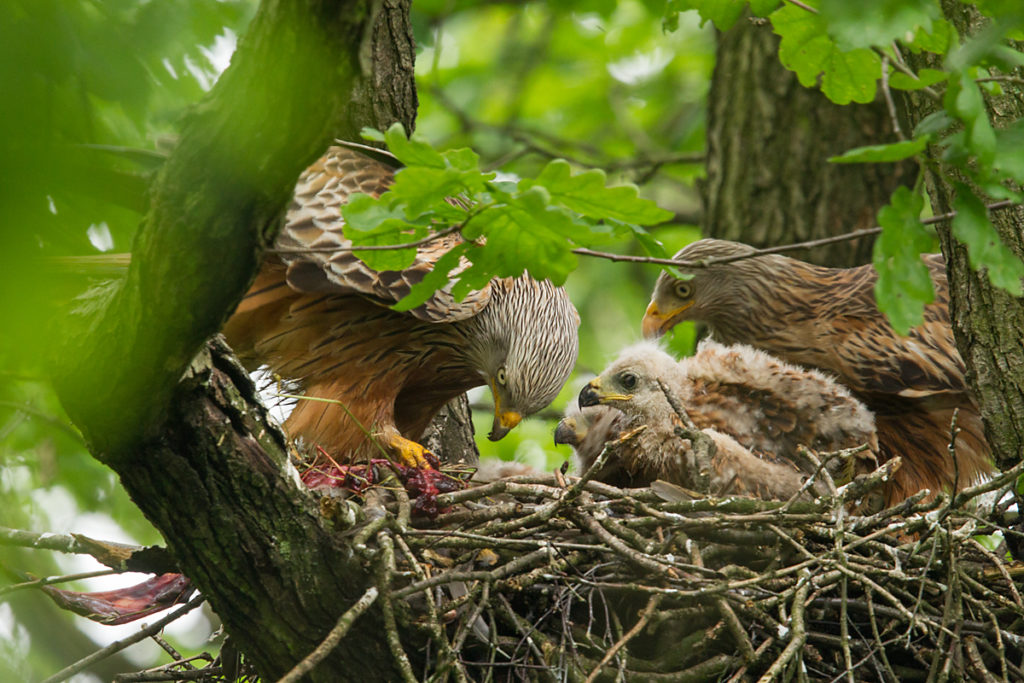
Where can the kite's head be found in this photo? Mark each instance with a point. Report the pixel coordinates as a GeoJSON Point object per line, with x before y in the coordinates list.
{"type": "Point", "coordinates": [525, 346]}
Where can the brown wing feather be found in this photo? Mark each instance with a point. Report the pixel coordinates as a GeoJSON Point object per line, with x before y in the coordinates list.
{"type": "Point", "coordinates": [314, 222]}
{"type": "Point", "coordinates": [872, 359]}
{"type": "Point", "coordinates": [764, 422]}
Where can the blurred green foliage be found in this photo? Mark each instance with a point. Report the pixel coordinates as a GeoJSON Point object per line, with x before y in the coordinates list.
{"type": "Point", "coordinates": [93, 90]}
{"type": "Point", "coordinates": [90, 87]}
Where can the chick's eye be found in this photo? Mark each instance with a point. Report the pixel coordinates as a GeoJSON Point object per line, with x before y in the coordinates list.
{"type": "Point", "coordinates": [683, 290]}
{"type": "Point", "coordinates": [501, 376]}
{"type": "Point", "coordinates": [628, 380]}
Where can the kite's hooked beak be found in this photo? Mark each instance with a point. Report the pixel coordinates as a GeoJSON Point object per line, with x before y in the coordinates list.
{"type": "Point", "coordinates": [657, 323]}
{"type": "Point", "coordinates": [504, 422]}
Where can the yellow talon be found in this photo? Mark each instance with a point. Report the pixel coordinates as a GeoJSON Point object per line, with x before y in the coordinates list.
{"type": "Point", "coordinates": [409, 453]}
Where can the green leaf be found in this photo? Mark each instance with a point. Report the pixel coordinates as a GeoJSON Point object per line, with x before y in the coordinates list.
{"type": "Point", "coordinates": [807, 50]}
{"type": "Point", "coordinates": [998, 8]}
{"type": "Point", "coordinates": [650, 244]}
{"type": "Point", "coordinates": [363, 212]}
{"type": "Point", "coordinates": [435, 279]}
{"type": "Point", "coordinates": [385, 259]}
{"type": "Point", "coordinates": [972, 226]}
{"type": "Point", "coordinates": [925, 78]}
{"type": "Point", "coordinates": [895, 151]}
{"type": "Point", "coordinates": [723, 13]}
{"type": "Point", "coordinates": [412, 152]}
{"type": "Point", "coordinates": [762, 8]}
{"type": "Point", "coordinates": [934, 123]}
{"type": "Point", "coordinates": [866, 23]}
{"type": "Point", "coordinates": [373, 134]}
{"type": "Point", "coordinates": [587, 194]}
{"type": "Point", "coordinates": [528, 234]}
{"type": "Point", "coordinates": [938, 40]}
{"type": "Point", "coordinates": [1009, 158]}
{"type": "Point", "coordinates": [904, 287]}
{"type": "Point", "coordinates": [463, 159]}
{"type": "Point", "coordinates": [1006, 58]}
{"type": "Point", "coordinates": [420, 189]}
{"type": "Point", "coordinates": [964, 100]}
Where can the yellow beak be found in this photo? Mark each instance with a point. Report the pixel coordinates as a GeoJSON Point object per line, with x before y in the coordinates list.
{"type": "Point", "coordinates": [504, 422]}
{"type": "Point", "coordinates": [592, 395]}
{"type": "Point", "coordinates": [656, 323]}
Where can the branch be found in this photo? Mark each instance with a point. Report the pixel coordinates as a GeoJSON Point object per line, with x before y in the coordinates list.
{"type": "Point", "coordinates": [118, 645]}
{"type": "Point", "coordinates": [345, 622]}
{"type": "Point", "coordinates": [117, 556]}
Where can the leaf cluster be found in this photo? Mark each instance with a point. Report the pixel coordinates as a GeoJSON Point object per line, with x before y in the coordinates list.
{"type": "Point", "coordinates": [850, 50]}
{"type": "Point", "coordinates": [509, 227]}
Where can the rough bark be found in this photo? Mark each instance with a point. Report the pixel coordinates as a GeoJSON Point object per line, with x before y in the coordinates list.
{"type": "Point", "coordinates": [198, 455]}
{"type": "Point", "coordinates": [987, 321]}
{"type": "Point", "coordinates": [219, 198]}
{"type": "Point", "coordinates": [450, 435]}
{"type": "Point", "coordinates": [219, 486]}
{"type": "Point", "coordinates": [769, 139]}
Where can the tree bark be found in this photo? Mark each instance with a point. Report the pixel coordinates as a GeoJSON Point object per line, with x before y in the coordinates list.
{"type": "Point", "coordinates": [769, 181]}
{"type": "Point", "coordinates": [198, 454]}
{"type": "Point", "coordinates": [219, 198]}
{"type": "Point", "coordinates": [987, 321]}
{"type": "Point", "coordinates": [275, 568]}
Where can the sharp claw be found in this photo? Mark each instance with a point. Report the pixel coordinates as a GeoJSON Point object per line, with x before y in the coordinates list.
{"type": "Point", "coordinates": [412, 454]}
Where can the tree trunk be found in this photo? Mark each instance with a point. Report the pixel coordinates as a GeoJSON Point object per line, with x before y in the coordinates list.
{"type": "Point", "coordinates": [987, 321]}
{"type": "Point", "coordinates": [769, 139]}
{"type": "Point", "coordinates": [274, 566]}
{"type": "Point", "coordinates": [198, 455]}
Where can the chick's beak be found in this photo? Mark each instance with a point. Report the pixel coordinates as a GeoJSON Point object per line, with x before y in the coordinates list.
{"type": "Point", "coordinates": [565, 432]}
{"type": "Point", "coordinates": [589, 395]}
{"type": "Point", "coordinates": [504, 421]}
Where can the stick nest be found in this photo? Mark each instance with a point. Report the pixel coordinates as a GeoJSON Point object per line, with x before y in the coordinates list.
{"type": "Point", "coordinates": [556, 578]}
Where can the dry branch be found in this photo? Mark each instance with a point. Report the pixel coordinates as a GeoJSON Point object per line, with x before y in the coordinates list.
{"type": "Point", "coordinates": [560, 578]}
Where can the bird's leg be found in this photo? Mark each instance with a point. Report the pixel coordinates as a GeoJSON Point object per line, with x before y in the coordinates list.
{"type": "Point", "coordinates": [409, 452]}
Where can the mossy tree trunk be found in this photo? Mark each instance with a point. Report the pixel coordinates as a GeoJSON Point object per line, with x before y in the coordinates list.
{"type": "Point", "coordinates": [188, 438]}
{"type": "Point", "coordinates": [769, 140]}
{"type": "Point", "coordinates": [988, 322]}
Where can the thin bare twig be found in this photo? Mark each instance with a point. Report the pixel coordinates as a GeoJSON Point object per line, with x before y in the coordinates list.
{"type": "Point", "coordinates": [117, 646]}
{"type": "Point", "coordinates": [645, 616]}
{"type": "Point", "coordinates": [341, 628]}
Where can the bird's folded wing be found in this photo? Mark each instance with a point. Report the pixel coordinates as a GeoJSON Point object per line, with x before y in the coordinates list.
{"type": "Point", "coordinates": [322, 259]}
{"type": "Point", "coordinates": [875, 362]}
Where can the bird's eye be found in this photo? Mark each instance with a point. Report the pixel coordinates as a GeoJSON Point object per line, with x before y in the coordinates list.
{"type": "Point", "coordinates": [628, 380]}
{"type": "Point", "coordinates": [683, 290]}
{"type": "Point", "coordinates": [501, 376]}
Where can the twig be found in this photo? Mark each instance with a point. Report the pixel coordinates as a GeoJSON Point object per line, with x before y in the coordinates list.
{"type": "Point", "coordinates": [889, 104]}
{"type": "Point", "coordinates": [878, 639]}
{"type": "Point", "coordinates": [809, 244]}
{"type": "Point", "coordinates": [37, 583]}
{"type": "Point", "coordinates": [645, 616]}
{"type": "Point", "coordinates": [385, 569]}
{"type": "Point", "coordinates": [704, 449]}
{"type": "Point", "coordinates": [798, 632]}
{"type": "Point", "coordinates": [373, 247]}
{"type": "Point", "coordinates": [345, 622]}
{"type": "Point", "coordinates": [436, 631]}
{"type": "Point", "coordinates": [118, 645]}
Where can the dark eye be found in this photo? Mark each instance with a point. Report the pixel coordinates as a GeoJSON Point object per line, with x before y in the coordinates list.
{"type": "Point", "coordinates": [628, 380]}
{"type": "Point", "coordinates": [683, 290]}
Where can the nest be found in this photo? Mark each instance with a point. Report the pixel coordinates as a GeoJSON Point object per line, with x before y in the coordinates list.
{"type": "Point", "coordinates": [560, 578]}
